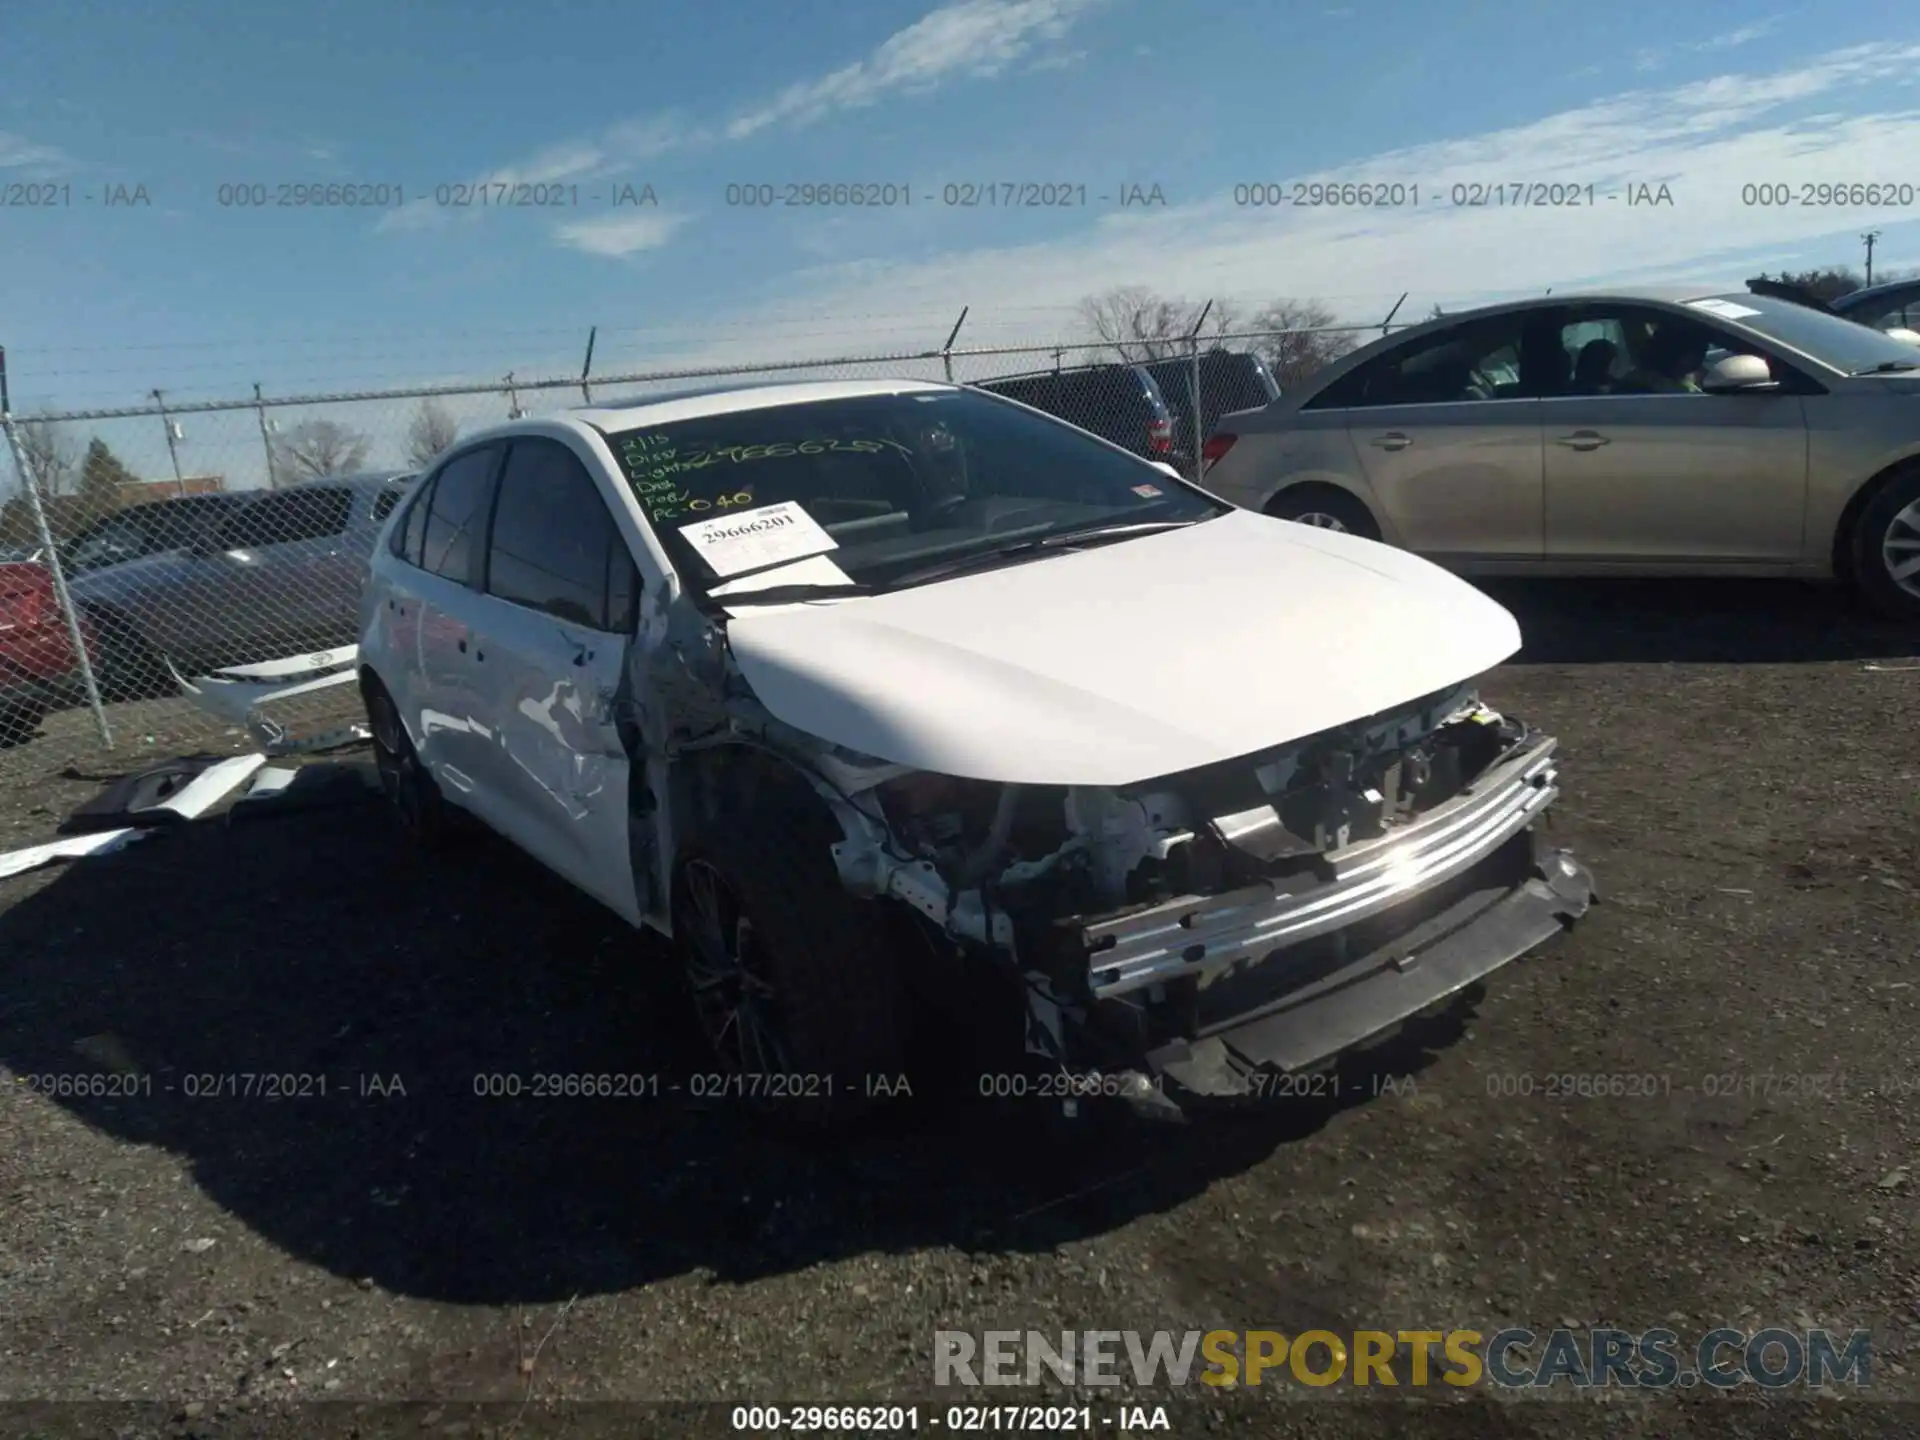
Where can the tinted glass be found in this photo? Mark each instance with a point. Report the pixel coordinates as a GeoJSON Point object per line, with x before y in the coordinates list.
{"type": "Point", "coordinates": [307, 512]}
{"type": "Point", "coordinates": [895, 481]}
{"type": "Point", "coordinates": [1835, 341]}
{"type": "Point", "coordinates": [1476, 361]}
{"type": "Point", "coordinates": [553, 540]}
{"type": "Point", "coordinates": [457, 514]}
{"type": "Point", "coordinates": [1890, 310]}
{"type": "Point", "coordinates": [1116, 402]}
{"type": "Point", "coordinates": [1634, 350]}
{"type": "Point", "coordinates": [118, 539]}
{"type": "Point", "coordinates": [412, 529]}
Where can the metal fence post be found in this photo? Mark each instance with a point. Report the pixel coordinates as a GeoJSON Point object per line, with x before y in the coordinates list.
{"type": "Point", "coordinates": [58, 570]}
{"type": "Point", "coordinates": [166, 422]}
{"type": "Point", "coordinates": [586, 367]}
{"type": "Point", "coordinates": [1199, 422]}
{"type": "Point", "coordinates": [266, 439]}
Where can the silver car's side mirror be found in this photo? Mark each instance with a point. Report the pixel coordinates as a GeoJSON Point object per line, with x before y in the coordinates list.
{"type": "Point", "coordinates": [1737, 372]}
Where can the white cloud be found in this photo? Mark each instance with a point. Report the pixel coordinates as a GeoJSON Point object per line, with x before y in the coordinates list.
{"type": "Point", "coordinates": [1645, 60]}
{"type": "Point", "coordinates": [620, 235]}
{"type": "Point", "coordinates": [18, 153]}
{"type": "Point", "coordinates": [1703, 141]}
{"type": "Point", "coordinates": [975, 38]}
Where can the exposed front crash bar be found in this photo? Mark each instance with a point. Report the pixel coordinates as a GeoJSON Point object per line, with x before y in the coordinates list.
{"type": "Point", "coordinates": [1199, 933]}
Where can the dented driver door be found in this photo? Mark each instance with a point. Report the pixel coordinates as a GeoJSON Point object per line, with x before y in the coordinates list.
{"type": "Point", "coordinates": [561, 594]}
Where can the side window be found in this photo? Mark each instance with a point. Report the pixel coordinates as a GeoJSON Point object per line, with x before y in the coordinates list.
{"type": "Point", "coordinates": [1476, 361]}
{"type": "Point", "coordinates": [456, 515]}
{"type": "Point", "coordinates": [121, 538]}
{"type": "Point", "coordinates": [1629, 350]}
{"type": "Point", "coordinates": [555, 548]}
{"type": "Point", "coordinates": [308, 512]}
{"type": "Point", "coordinates": [408, 534]}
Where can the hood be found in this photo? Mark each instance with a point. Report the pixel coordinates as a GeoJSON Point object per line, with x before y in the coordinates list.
{"type": "Point", "coordinates": [1133, 660]}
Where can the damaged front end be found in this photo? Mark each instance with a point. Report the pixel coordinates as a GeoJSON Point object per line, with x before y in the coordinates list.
{"type": "Point", "coordinates": [1184, 936]}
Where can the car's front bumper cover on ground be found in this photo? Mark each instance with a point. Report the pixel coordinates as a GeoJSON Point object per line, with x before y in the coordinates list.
{"type": "Point", "coordinates": [1289, 980]}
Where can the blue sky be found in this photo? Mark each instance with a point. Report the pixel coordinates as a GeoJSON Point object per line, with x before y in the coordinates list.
{"type": "Point", "coordinates": [99, 304]}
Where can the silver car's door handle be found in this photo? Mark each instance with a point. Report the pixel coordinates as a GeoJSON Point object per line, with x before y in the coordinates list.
{"type": "Point", "coordinates": [1393, 440]}
{"type": "Point", "coordinates": [1584, 440]}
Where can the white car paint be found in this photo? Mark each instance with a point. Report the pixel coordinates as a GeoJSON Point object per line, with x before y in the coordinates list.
{"type": "Point", "coordinates": [1121, 663]}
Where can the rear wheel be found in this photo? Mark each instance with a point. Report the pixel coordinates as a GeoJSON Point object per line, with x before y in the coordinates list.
{"type": "Point", "coordinates": [415, 798]}
{"type": "Point", "coordinates": [1324, 508]}
{"type": "Point", "coordinates": [794, 983]}
{"type": "Point", "coordinates": [1886, 547]}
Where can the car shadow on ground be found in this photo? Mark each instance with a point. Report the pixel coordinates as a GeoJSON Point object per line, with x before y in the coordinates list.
{"type": "Point", "coordinates": [1586, 622]}
{"type": "Point", "coordinates": [314, 946]}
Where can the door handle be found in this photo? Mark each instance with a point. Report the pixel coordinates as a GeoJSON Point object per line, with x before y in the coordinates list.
{"type": "Point", "coordinates": [1393, 440]}
{"type": "Point", "coordinates": [1584, 440]}
{"type": "Point", "coordinates": [463, 647]}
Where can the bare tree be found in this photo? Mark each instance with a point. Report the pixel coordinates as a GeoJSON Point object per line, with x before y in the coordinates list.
{"type": "Point", "coordinates": [1299, 343]}
{"type": "Point", "coordinates": [52, 465]}
{"type": "Point", "coordinates": [315, 449]}
{"type": "Point", "coordinates": [431, 430]}
{"type": "Point", "coordinates": [1142, 325]}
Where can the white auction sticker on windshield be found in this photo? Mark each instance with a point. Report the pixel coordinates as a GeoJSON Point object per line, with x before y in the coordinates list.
{"type": "Point", "coordinates": [1725, 309]}
{"type": "Point", "coordinates": [754, 539]}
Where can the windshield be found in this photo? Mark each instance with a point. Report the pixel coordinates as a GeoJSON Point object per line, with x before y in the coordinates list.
{"type": "Point", "coordinates": [874, 487]}
{"type": "Point", "coordinates": [1834, 341]}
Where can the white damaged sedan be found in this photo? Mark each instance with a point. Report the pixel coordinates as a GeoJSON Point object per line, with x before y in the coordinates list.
{"type": "Point", "coordinates": [893, 700]}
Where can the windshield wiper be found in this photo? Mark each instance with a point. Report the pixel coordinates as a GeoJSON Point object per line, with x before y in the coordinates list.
{"type": "Point", "coordinates": [1118, 531]}
{"type": "Point", "coordinates": [793, 594]}
{"type": "Point", "coordinates": [1889, 367]}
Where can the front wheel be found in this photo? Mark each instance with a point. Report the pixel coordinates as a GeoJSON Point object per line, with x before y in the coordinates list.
{"type": "Point", "coordinates": [1324, 508]}
{"type": "Point", "coordinates": [1886, 547]}
{"type": "Point", "coordinates": [794, 983]}
{"type": "Point", "coordinates": [416, 800]}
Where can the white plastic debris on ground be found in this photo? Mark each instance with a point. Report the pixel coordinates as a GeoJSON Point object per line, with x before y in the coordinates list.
{"type": "Point", "coordinates": [196, 797]}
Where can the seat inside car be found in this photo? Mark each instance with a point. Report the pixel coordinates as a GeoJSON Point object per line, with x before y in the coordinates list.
{"type": "Point", "coordinates": [1593, 370]}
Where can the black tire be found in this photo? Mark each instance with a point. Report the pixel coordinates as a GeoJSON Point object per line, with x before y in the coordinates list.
{"type": "Point", "coordinates": [1316, 504]}
{"type": "Point", "coordinates": [425, 817]}
{"type": "Point", "coordinates": [126, 667]}
{"type": "Point", "coordinates": [815, 988]}
{"type": "Point", "coordinates": [20, 721]}
{"type": "Point", "coordinates": [1888, 532]}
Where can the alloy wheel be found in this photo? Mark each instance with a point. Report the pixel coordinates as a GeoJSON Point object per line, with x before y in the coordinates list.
{"type": "Point", "coordinates": [727, 976]}
{"type": "Point", "coordinates": [1900, 549]}
{"type": "Point", "coordinates": [1320, 520]}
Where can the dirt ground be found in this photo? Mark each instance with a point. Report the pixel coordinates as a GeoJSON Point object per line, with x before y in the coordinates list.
{"type": "Point", "coordinates": [1744, 783]}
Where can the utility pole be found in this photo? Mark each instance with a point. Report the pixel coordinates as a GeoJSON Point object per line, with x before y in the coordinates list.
{"type": "Point", "coordinates": [1870, 237]}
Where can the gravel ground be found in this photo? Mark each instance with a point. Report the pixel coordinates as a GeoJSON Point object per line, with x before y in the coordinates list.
{"type": "Point", "coordinates": [1740, 779]}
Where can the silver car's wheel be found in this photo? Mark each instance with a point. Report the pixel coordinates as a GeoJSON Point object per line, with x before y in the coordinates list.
{"type": "Point", "coordinates": [1325, 508]}
{"type": "Point", "coordinates": [1885, 544]}
{"type": "Point", "coordinates": [1320, 520]}
{"type": "Point", "coordinates": [1900, 549]}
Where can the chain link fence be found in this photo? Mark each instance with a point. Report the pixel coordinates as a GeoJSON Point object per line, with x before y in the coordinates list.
{"type": "Point", "coordinates": [168, 571]}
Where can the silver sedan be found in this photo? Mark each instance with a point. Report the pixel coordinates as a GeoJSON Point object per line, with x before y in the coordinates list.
{"type": "Point", "coordinates": [1626, 433]}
